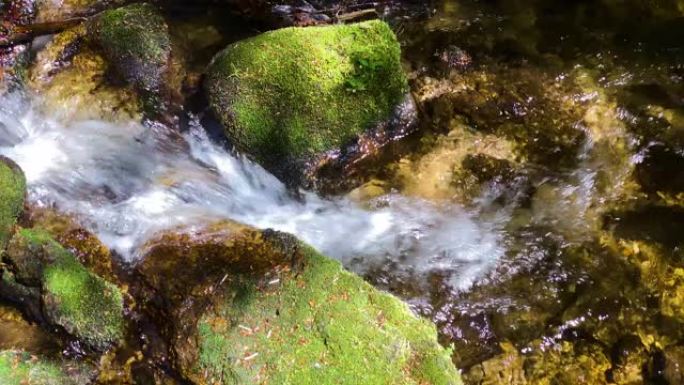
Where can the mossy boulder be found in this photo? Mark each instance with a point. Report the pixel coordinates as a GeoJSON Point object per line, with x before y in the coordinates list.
{"type": "Point", "coordinates": [288, 95]}
{"type": "Point", "coordinates": [321, 324]}
{"type": "Point", "coordinates": [22, 368]}
{"type": "Point", "coordinates": [12, 193]}
{"type": "Point", "coordinates": [223, 291]}
{"type": "Point", "coordinates": [135, 41]}
{"type": "Point", "coordinates": [50, 283]}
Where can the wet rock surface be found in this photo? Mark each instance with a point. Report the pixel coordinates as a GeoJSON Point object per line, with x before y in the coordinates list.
{"type": "Point", "coordinates": [135, 41]}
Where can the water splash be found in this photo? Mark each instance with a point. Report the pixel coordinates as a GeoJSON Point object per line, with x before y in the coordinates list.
{"type": "Point", "coordinates": [126, 182]}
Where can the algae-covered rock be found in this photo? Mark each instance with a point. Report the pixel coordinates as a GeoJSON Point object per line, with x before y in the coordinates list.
{"type": "Point", "coordinates": [72, 78]}
{"type": "Point", "coordinates": [321, 325]}
{"type": "Point", "coordinates": [196, 256]}
{"type": "Point", "coordinates": [85, 246]}
{"type": "Point", "coordinates": [52, 285]}
{"type": "Point", "coordinates": [22, 368]}
{"type": "Point", "coordinates": [12, 192]}
{"type": "Point", "coordinates": [565, 364]}
{"type": "Point", "coordinates": [290, 94]}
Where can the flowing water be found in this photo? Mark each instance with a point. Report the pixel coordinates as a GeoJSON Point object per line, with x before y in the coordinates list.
{"type": "Point", "coordinates": [127, 182]}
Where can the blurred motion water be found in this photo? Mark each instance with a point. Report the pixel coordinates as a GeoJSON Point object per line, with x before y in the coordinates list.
{"type": "Point", "coordinates": [128, 182]}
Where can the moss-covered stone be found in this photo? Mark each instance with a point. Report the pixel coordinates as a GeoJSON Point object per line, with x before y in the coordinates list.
{"type": "Point", "coordinates": [85, 305]}
{"type": "Point", "coordinates": [22, 368]}
{"type": "Point", "coordinates": [12, 192]}
{"type": "Point", "coordinates": [322, 325]}
{"type": "Point", "coordinates": [136, 41]}
{"type": "Point", "coordinates": [290, 94]}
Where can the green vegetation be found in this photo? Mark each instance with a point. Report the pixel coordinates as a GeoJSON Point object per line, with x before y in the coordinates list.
{"type": "Point", "coordinates": [296, 92]}
{"type": "Point", "coordinates": [12, 191]}
{"type": "Point", "coordinates": [321, 326]}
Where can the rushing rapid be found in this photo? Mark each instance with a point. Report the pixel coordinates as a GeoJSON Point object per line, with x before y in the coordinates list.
{"type": "Point", "coordinates": [126, 182]}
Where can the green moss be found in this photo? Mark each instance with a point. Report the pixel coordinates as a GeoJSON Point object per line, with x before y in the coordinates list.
{"type": "Point", "coordinates": [135, 39]}
{"type": "Point", "coordinates": [84, 304]}
{"type": "Point", "coordinates": [20, 368]}
{"type": "Point", "coordinates": [323, 326]}
{"type": "Point", "coordinates": [295, 92]}
{"type": "Point", "coordinates": [12, 191]}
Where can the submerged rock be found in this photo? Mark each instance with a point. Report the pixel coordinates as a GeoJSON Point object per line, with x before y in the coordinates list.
{"type": "Point", "coordinates": [22, 368]}
{"type": "Point", "coordinates": [52, 286]}
{"type": "Point", "coordinates": [72, 77]}
{"type": "Point", "coordinates": [12, 193]}
{"type": "Point", "coordinates": [287, 96]}
{"type": "Point", "coordinates": [567, 364]}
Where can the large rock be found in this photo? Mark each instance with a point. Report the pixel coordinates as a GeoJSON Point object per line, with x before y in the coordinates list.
{"type": "Point", "coordinates": [52, 286]}
{"type": "Point", "coordinates": [12, 192]}
{"type": "Point", "coordinates": [320, 325]}
{"type": "Point", "coordinates": [287, 96]}
{"type": "Point", "coordinates": [240, 305]}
